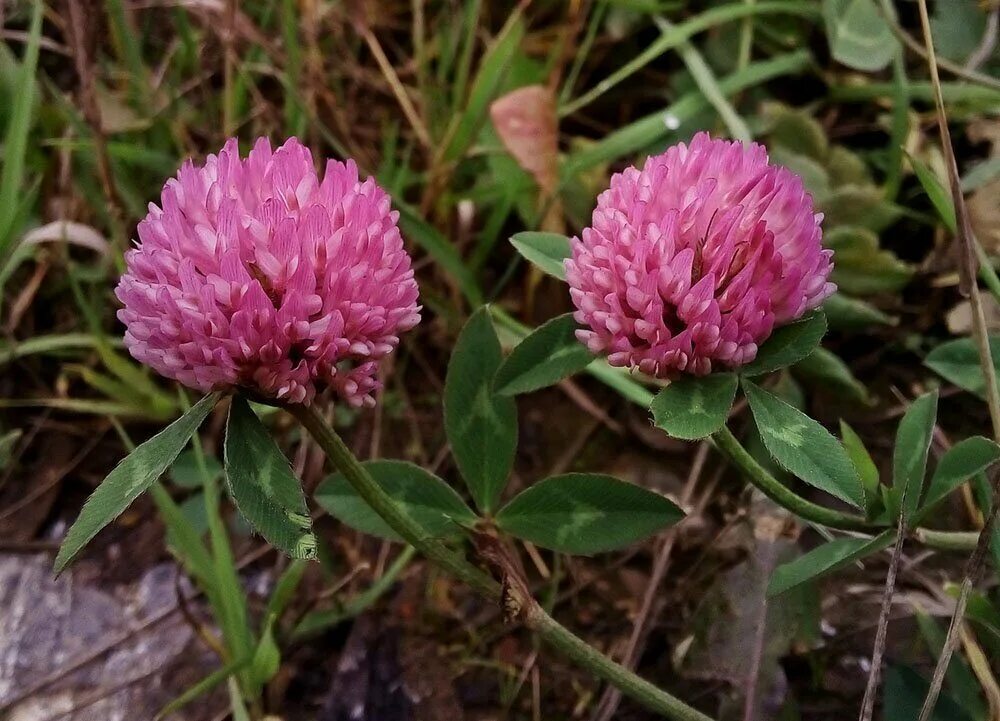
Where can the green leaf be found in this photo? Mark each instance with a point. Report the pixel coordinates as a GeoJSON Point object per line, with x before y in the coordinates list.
{"type": "Point", "coordinates": [803, 447]}
{"type": "Point", "coordinates": [909, 457]}
{"type": "Point", "coordinates": [981, 610]}
{"type": "Point", "coordinates": [960, 463]}
{"type": "Point", "coordinates": [585, 513]}
{"type": "Point", "coordinates": [826, 559]}
{"type": "Point", "coordinates": [958, 362]}
{"type": "Point", "coordinates": [795, 130]}
{"type": "Point", "coordinates": [137, 472]}
{"type": "Point", "coordinates": [440, 248]}
{"type": "Point", "coordinates": [201, 687]}
{"type": "Point", "coordinates": [266, 657]}
{"type": "Point", "coordinates": [788, 344]}
{"type": "Point", "coordinates": [958, 27]}
{"type": "Point", "coordinates": [492, 69]}
{"type": "Point", "coordinates": [15, 142]}
{"type": "Point", "coordinates": [860, 266]}
{"type": "Point", "coordinates": [845, 313]}
{"type": "Point", "coordinates": [545, 250]}
{"type": "Point", "coordinates": [650, 130]}
{"type": "Point", "coordinates": [904, 693]}
{"type": "Point", "coordinates": [546, 356]}
{"type": "Point", "coordinates": [863, 463]}
{"type": "Point", "coordinates": [858, 206]}
{"type": "Point", "coordinates": [961, 681]}
{"type": "Point", "coordinates": [826, 370]}
{"type": "Point", "coordinates": [187, 472]}
{"type": "Point", "coordinates": [481, 426]}
{"type": "Point", "coordinates": [814, 175]}
{"type": "Point", "coordinates": [859, 36]}
{"type": "Point", "coordinates": [428, 500]}
{"type": "Point", "coordinates": [847, 168]}
{"type": "Point", "coordinates": [940, 197]}
{"type": "Point", "coordinates": [263, 486]}
{"type": "Point", "coordinates": [692, 407]}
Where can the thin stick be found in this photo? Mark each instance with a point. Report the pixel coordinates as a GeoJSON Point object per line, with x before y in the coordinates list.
{"type": "Point", "coordinates": [612, 697]}
{"type": "Point", "coordinates": [397, 87]}
{"type": "Point", "coordinates": [871, 690]}
{"type": "Point", "coordinates": [969, 262]}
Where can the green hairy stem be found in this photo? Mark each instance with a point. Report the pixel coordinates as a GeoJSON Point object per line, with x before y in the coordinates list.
{"type": "Point", "coordinates": [779, 493]}
{"type": "Point", "coordinates": [531, 612]}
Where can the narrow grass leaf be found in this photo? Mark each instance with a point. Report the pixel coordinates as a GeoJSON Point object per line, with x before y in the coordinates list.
{"type": "Point", "coordinates": [136, 473]}
{"type": "Point", "coordinates": [481, 425]}
{"type": "Point", "coordinates": [549, 354]}
{"type": "Point", "coordinates": [428, 500]}
{"type": "Point", "coordinates": [903, 695]}
{"type": "Point", "coordinates": [202, 687]}
{"type": "Point", "coordinates": [547, 251]}
{"type": "Point", "coordinates": [185, 540]}
{"type": "Point", "coordinates": [266, 657]}
{"type": "Point", "coordinates": [961, 680]}
{"type": "Point", "coordinates": [15, 144]}
{"type": "Point", "coordinates": [263, 485]}
{"type": "Point", "coordinates": [284, 589]}
{"type": "Point", "coordinates": [826, 559]}
{"type": "Point", "coordinates": [958, 362]}
{"type": "Point", "coordinates": [492, 71]}
{"type": "Point", "coordinates": [692, 408]}
{"type": "Point", "coordinates": [584, 513]}
{"type": "Point", "coordinates": [909, 457]}
{"type": "Point", "coordinates": [189, 470]}
{"type": "Point", "coordinates": [803, 447]}
{"type": "Point", "coordinates": [960, 463]}
{"type": "Point", "coordinates": [440, 249]}
{"type": "Point", "coordinates": [788, 344]}
{"type": "Point", "coordinates": [682, 32]}
{"type": "Point", "coordinates": [656, 127]}
{"type": "Point", "coordinates": [939, 197]}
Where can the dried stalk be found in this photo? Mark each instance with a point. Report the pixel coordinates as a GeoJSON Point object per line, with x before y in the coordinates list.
{"type": "Point", "coordinates": [968, 268]}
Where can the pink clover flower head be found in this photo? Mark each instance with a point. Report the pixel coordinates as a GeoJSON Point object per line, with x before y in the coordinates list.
{"type": "Point", "coordinates": [259, 273]}
{"type": "Point", "coordinates": [691, 262]}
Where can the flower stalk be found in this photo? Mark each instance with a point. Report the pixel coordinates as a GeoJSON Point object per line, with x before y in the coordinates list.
{"type": "Point", "coordinates": [771, 487]}
{"type": "Point", "coordinates": [533, 614]}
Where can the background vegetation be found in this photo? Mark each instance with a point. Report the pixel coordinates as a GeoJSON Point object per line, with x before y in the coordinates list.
{"type": "Point", "coordinates": [101, 101]}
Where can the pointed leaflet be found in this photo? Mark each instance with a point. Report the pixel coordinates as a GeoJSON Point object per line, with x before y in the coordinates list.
{"type": "Point", "coordinates": [827, 371]}
{"type": "Point", "coordinates": [431, 502]}
{"type": "Point", "coordinates": [826, 559]}
{"type": "Point", "coordinates": [958, 362]}
{"type": "Point", "coordinates": [549, 354]}
{"type": "Point", "coordinates": [586, 513]}
{"type": "Point", "coordinates": [263, 486]}
{"type": "Point", "coordinates": [131, 477]}
{"type": "Point", "coordinates": [961, 462]}
{"type": "Point", "coordinates": [692, 407]}
{"type": "Point", "coordinates": [909, 457]}
{"type": "Point", "coordinates": [545, 250]}
{"type": "Point", "coordinates": [864, 464]}
{"type": "Point", "coordinates": [803, 447]}
{"type": "Point", "coordinates": [481, 425]}
{"type": "Point", "coordinates": [788, 344]}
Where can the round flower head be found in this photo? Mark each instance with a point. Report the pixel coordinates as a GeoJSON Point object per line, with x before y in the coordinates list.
{"type": "Point", "coordinates": [261, 274]}
{"type": "Point", "coordinates": [692, 261]}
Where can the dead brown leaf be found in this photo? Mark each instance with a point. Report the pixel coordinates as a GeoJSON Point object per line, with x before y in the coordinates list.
{"type": "Point", "coordinates": [526, 121]}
